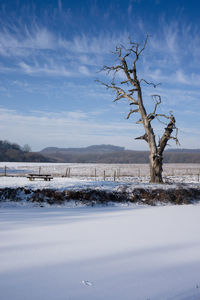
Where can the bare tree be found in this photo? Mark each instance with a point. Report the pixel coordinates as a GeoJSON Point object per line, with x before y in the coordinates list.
{"type": "Point", "coordinates": [26, 148]}
{"type": "Point", "coordinates": [131, 88]}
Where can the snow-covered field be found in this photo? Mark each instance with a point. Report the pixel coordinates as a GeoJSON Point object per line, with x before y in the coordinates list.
{"type": "Point", "coordinates": [59, 183]}
{"type": "Point", "coordinates": [115, 252]}
{"type": "Point", "coordinates": [135, 253]}
{"type": "Point", "coordinates": [56, 183]}
{"type": "Point", "coordinates": [93, 174]}
{"type": "Point", "coordinates": [89, 170]}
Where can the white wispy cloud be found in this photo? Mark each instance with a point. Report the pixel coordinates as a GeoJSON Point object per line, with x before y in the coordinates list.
{"type": "Point", "coordinates": [60, 6]}
{"type": "Point", "coordinates": [99, 44]}
{"type": "Point", "coordinates": [49, 70]}
{"type": "Point", "coordinates": [73, 128]}
{"type": "Point", "coordinates": [84, 70]}
{"type": "Point", "coordinates": [76, 128]}
{"type": "Point", "coordinates": [191, 78]}
{"type": "Point", "coordinates": [171, 37]}
{"type": "Point", "coordinates": [24, 43]}
{"type": "Point", "coordinates": [89, 52]}
{"type": "Point", "coordinates": [130, 7]}
{"type": "Point", "coordinates": [175, 44]}
{"type": "Point", "coordinates": [166, 40]}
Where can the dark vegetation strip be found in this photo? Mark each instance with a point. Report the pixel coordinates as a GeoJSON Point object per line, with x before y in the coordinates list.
{"type": "Point", "coordinates": [92, 197]}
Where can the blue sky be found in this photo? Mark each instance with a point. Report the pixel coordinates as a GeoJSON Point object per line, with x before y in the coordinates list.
{"type": "Point", "coordinates": [51, 51]}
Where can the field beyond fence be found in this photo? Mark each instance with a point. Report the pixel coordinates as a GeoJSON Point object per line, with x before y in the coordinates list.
{"type": "Point", "coordinates": [177, 172]}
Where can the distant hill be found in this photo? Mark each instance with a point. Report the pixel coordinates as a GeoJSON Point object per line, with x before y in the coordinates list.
{"type": "Point", "coordinates": [115, 154]}
{"type": "Point", "coordinates": [90, 149]}
{"type": "Point", "coordinates": [93, 154]}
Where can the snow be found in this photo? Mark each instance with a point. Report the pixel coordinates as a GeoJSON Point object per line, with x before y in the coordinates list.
{"type": "Point", "coordinates": [56, 183]}
{"type": "Point", "coordinates": [82, 175]}
{"type": "Point", "coordinates": [135, 253]}
{"type": "Point", "coordinates": [60, 183]}
{"type": "Point", "coordinates": [89, 169]}
{"type": "Point", "coordinates": [131, 252]}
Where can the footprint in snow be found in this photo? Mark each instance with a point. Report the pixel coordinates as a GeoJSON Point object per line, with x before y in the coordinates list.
{"type": "Point", "coordinates": [86, 282]}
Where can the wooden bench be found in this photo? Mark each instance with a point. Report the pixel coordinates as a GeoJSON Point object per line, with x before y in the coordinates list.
{"type": "Point", "coordinates": [46, 177]}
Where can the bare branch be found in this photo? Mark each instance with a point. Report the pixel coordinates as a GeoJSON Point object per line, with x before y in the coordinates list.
{"type": "Point", "coordinates": [163, 115]}
{"type": "Point", "coordinates": [113, 69]}
{"type": "Point", "coordinates": [125, 81]}
{"type": "Point", "coordinates": [139, 121]}
{"type": "Point", "coordinates": [143, 137]}
{"type": "Point", "coordinates": [131, 112]}
{"type": "Point", "coordinates": [175, 139]}
{"type": "Point", "coordinates": [120, 92]}
{"type": "Point", "coordinates": [133, 90]}
{"type": "Point", "coordinates": [151, 117]}
{"type": "Point", "coordinates": [145, 43]}
{"type": "Point", "coordinates": [167, 134]}
{"type": "Point", "coordinates": [134, 103]}
{"type": "Point", "coordinates": [128, 72]}
{"type": "Point", "coordinates": [136, 110]}
{"type": "Point", "coordinates": [119, 97]}
{"type": "Point", "coordinates": [150, 83]}
{"type": "Point", "coordinates": [157, 99]}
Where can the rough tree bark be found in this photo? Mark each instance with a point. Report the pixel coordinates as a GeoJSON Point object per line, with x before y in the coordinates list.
{"type": "Point", "coordinates": [130, 88]}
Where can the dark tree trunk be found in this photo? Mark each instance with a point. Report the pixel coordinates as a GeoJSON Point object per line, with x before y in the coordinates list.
{"type": "Point", "coordinates": [156, 169]}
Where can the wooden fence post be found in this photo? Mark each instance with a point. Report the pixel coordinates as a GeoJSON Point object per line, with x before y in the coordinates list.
{"type": "Point", "coordinates": [5, 171]}
{"type": "Point", "coordinates": [67, 173]}
{"type": "Point", "coordinates": [118, 173]}
{"type": "Point", "coordinates": [114, 175]}
{"type": "Point", "coordinates": [104, 175]}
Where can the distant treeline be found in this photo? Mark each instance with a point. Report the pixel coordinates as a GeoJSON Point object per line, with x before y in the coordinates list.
{"type": "Point", "coordinates": [92, 154]}
{"type": "Point", "coordinates": [13, 152]}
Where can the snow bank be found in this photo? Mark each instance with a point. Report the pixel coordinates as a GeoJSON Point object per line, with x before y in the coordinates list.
{"type": "Point", "coordinates": [63, 183]}
{"type": "Point", "coordinates": [56, 183]}
{"type": "Point", "coordinates": [61, 191]}
{"type": "Point", "coordinates": [105, 253]}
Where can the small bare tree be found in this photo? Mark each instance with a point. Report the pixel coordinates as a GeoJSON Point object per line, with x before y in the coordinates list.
{"type": "Point", "coordinates": [130, 88]}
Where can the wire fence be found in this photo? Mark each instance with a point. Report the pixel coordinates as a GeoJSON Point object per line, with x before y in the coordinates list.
{"type": "Point", "coordinates": [113, 172]}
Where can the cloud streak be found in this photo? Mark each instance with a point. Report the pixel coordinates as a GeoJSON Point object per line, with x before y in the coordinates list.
{"type": "Point", "coordinates": [74, 129]}
{"type": "Point", "coordinates": [63, 129]}
{"type": "Point", "coordinates": [24, 43]}
{"type": "Point", "coordinates": [89, 52]}
{"type": "Point", "coordinates": [48, 70]}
